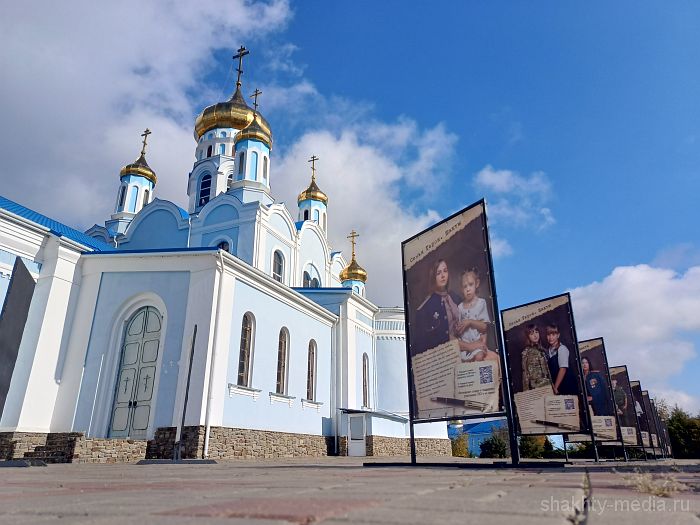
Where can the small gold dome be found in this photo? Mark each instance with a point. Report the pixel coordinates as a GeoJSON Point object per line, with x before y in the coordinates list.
{"type": "Point", "coordinates": [353, 272]}
{"type": "Point", "coordinates": [255, 131]}
{"type": "Point", "coordinates": [234, 113]}
{"type": "Point", "coordinates": [313, 192]}
{"type": "Point", "coordinates": [140, 168]}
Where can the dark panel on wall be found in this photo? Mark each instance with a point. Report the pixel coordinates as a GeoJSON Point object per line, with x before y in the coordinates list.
{"type": "Point", "coordinates": [12, 320]}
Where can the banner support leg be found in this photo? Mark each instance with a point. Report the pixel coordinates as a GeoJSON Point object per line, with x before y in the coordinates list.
{"type": "Point", "coordinates": [413, 443]}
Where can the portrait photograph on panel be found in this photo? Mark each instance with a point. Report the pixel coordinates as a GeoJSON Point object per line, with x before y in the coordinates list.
{"type": "Point", "coordinates": [653, 436]}
{"type": "Point", "coordinates": [641, 412]}
{"type": "Point", "coordinates": [454, 354]}
{"type": "Point", "coordinates": [595, 374]}
{"type": "Point", "coordinates": [624, 405]}
{"type": "Point", "coordinates": [543, 367]}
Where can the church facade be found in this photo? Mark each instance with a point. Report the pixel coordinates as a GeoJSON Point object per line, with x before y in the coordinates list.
{"type": "Point", "coordinates": [231, 327]}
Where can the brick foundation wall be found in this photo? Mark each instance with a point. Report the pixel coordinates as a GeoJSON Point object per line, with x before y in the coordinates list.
{"type": "Point", "coordinates": [69, 447]}
{"type": "Point", "coordinates": [102, 450]}
{"type": "Point", "coordinates": [239, 443]}
{"type": "Point", "coordinates": [224, 443]}
{"type": "Point", "coordinates": [13, 445]}
{"type": "Point", "coordinates": [391, 446]}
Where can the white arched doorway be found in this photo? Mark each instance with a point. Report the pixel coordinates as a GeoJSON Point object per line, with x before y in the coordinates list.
{"type": "Point", "coordinates": [136, 377]}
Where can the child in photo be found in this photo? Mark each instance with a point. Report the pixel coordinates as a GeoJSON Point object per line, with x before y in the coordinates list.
{"type": "Point", "coordinates": [473, 320]}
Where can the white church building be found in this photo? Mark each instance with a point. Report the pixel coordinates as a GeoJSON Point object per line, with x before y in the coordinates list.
{"type": "Point", "coordinates": [231, 327]}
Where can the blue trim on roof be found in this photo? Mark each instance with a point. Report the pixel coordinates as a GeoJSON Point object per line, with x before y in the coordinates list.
{"type": "Point", "coordinates": [323, 289]}
{"type": "Point", "coordinates": [165, 250]}
{"type": "Point", "coordinates": [333, 254]}
{"type": "Point", "coordinates": [55, 227]}
{"type": "Point", "coordinates": [299, 224]}
{"type": "Point", "coordinates": [183, 213]}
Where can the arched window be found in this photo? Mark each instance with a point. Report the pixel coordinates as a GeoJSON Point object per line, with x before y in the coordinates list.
{"type": "Point", "coordinates": [122, 197]}
{"type": "Point", "coordinates": [311, 277]}
{"type": "Point", "coordinates": [241, 161]}
{"type": "Point", "coordinates": [316, 217]}
{"type": "Point", "coordinates": [145, 198]}
{"type": "Point", "coordinates": [132, 198]}
{"type": "Point", "coordinates": [229, 180]}
{"type": "Point", "coordinates": [365, 380]}
{"type": "Point", "coordinates": [278, 266]}
{"type": "Point", "coordinates": [246, 354]}
{"type": "Point", "coordinates": [210, 136]}
{"type": "Point", "coordinates": [209, 150]}
{"type": "Point", "coordinates": [224, 245]}
{"type": "Point", "coordinates": [282, 357]}
{"type": "Point", "coordinates": [204, 190]}
{"type": "Point", "coordinates": [311, 372]}
{"type": "Point", "coordinates": [265, 170]}
{"type": "Point", "coordinates": [253, 166]}
{"type": "Point", "coordinates": [306, 215]}
{"type": "Point", "coordinates": [222, 149]}
{"type": "Point", "coordinates": [223, 134]}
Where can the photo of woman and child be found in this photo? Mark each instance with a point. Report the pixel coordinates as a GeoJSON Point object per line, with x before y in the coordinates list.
{"type": "Point", "coordinates": [453, 342]}
{"type": "Point", "coordinates": [444, 315]}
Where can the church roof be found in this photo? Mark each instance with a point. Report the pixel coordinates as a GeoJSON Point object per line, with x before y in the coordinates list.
{"type": "Point", "coordinates": [57, 228]}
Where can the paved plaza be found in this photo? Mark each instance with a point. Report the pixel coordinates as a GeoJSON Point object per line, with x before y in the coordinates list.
{"type": "Point", "coordinates": [342, 490]}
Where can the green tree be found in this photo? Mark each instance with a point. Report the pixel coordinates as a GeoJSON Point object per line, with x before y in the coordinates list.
{"type": "Point", "coordinates": [494, 446]}
{"type": "Point", "coordinates": [531, 447]}
{"type": "Point", "coordinates": [460, 446]}
{"type": "Point", "coordinates": [547, 447]}
{"type": "Point", "coordinates": [684, 432]}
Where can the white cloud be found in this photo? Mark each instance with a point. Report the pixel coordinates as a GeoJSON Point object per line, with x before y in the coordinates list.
{"type": "Point", "coordinates": [81, 80]}
{"type": "Point", "coordinates": [649, 318]}
{"type": "Point", "coordinates": [362, 180]}
{"type": "Point", "coordinates": [514, 199]}
{"type": "Point", "coordinates": [500, 247]}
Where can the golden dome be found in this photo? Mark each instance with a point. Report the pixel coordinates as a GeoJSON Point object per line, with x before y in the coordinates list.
{"type": "Point", "coordinates": [234, 113]}
{"type": "Point", "coordinates": [140, 168]}
{"type": "Point", "coordinates": [353, 272]}
{"type": "Point", "coordinates": [313, 192]}
{"type": "Point", "coordinates": [255, 131]}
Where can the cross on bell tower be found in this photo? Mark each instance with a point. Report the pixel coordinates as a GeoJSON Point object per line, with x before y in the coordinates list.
{"type": "Point", "coordinates": [242, 51]}
{"type": "Point", "coordinates": [353, 235]}
{"type": "Point", "coordinates": [255, 96]}
{"type": "Point", "coordinates": [313, 160]}
{"type": "Point", "coordinates": [145, 135]}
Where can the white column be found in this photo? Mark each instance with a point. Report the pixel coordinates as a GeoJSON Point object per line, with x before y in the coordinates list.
{"type": "Point", "coordinates": [33, 389]}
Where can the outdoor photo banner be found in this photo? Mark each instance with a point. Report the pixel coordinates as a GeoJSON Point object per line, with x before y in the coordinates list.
{"type": "Point", "coordinates": [453, 343]}
{"type": "Point", "coordinates": [596, 380]}
{"type": "Point", "coordinates": [650, 419]}
{"type": "Point", "coordinates": [657, 422]}
{"type": "Point", "coordinates": [641, 412]}
{"type": "Point", "coordinates": [624, 405]}
{"type": "Point", "coordinates": [544, 368]}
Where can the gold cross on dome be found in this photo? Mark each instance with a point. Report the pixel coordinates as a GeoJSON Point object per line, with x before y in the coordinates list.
{"type": "Point", "coordinates": [242, 51]}
{"type": "Point", "coordinates": [255, 96]}
{"type": "Point", "coordinates": [353, 235]}
{"type": "Point", "coordinates": [145, 135]}
{"type": "Point", "coordinates": [313, 160]}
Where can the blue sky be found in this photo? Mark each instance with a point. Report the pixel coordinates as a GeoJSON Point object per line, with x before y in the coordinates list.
{"type": "Point", "coordinates": [577, 122]}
